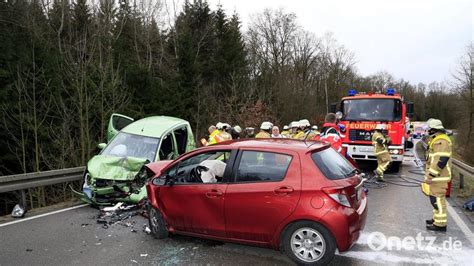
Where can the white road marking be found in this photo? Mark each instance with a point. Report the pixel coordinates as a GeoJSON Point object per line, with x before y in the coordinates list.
{"type": "Point", "coordinates": [464, 228]}
{"type": "Point", "coordinates": [43, 215]}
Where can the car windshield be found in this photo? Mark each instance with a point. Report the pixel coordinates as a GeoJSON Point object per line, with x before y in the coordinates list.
{"type": "Point", "coordinates": [129, 145]}
{"type": "Point", "coordinates": [333, 164]}
{"type": "Point", "coordinates": [372, 110]}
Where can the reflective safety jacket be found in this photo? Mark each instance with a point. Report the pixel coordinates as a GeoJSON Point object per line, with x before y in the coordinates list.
{"type": "Point", "coordinates": [380, 143]}
{"type": "Point", "coordinates": [331, 134]}
{"type": "Point", "coordinates": [225, 136]}
{"type": "Point", "coordinates": [438, 163]}
{"type": "Point", "coordinates": [308, 135]}
{"type": "Point", "coordinates": [215, 137]}
{"type": "Point", "coordinates": [262, 134]}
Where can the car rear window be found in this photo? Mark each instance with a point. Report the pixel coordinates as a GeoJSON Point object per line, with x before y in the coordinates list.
{"type": "Point", "coordinates": [333, 164]}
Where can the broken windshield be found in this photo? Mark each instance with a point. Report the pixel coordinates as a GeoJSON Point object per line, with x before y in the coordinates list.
{"type": "Point", "coordinates": [129, 145]}
{"type": "Point", "coordinates": [372, 110]}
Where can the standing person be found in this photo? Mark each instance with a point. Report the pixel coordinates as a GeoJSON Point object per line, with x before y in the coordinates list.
{"type": "Point", "coordinates": [437, 174]}
{"type": "Point", "coordinates": [249, 132]}
{"type": "Point", "coordinates": [264, 130]}
{"type": "Point", "coordinates": [293, 129]}
{"type": "Point", "coordinates": [331, 132]}
{"type": "Point", "coordinates": [222, 131]}
{"type": "Point", "coordinates": [235, 132]}
{"type": "Point", "coordinates": [381, 142]}
{"type": "Point", "coordinates": [305, 131]}
{"type": "Point", "coordinates": [214, 136]}
{"type": "Point", "coordinates": [276, 132]}
{"type": "Point", "coordinates": [286, 131]}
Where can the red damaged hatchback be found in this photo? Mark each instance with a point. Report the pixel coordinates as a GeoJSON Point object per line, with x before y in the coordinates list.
{"type": "Point", "coordinates": [303, 198]}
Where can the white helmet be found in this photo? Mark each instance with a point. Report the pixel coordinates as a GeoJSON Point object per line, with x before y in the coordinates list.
{"type": "Point", "coordinates": [219, 125]}
{"type": "Point", "coordinates": [315, 127]}
{"type": "Point", "coordinates": [304, 123]}
{"type": "Point", "coordinates": [435, 124]}
{"type": "Point", "coordinates": [294, 124]}
{"type": "Point", "coordinates": [266, 125]}
{"type": "Point", "coordinates": [285, 127]}
{"type": "Point", "coordinates": [380, 127]}
{"type": "Point", "coordinates": [238, 129]}
{"type": "Point", "coordinates": [225, 126]}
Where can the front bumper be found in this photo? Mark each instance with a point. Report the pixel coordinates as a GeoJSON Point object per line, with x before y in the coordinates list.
{"type": "Point", "coordinates": [366, 152]}
{"type": "Point", "coordinates": [106, 195]}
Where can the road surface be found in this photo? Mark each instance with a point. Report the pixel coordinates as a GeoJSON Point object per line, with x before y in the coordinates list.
{"type": "Point", "coordinates": [72, 236]}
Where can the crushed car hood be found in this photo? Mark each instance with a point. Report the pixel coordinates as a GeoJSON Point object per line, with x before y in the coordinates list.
{"type": "Point", "coordinates": [115, 168]}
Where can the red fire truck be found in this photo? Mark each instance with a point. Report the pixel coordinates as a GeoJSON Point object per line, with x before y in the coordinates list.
{"type": "Point", "coordinates": [361, 112]}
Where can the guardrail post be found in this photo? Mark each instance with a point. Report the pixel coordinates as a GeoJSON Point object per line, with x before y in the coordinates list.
{"type": "Point", "coordinates": [23, 198]}
{"type": "Point", "coordinates": [461, 181]}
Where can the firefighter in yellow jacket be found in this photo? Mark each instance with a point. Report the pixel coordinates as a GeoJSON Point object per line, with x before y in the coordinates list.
{"type": "Point", "coordinates": [264, 130]}
{"type": "Point", "coordinates": [437, 174]}
{"type": "Point", "coordinates": [381, 142]}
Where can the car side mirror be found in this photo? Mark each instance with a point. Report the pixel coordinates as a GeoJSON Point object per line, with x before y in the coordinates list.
{"type": "Point", "coordinates": [101, 145]}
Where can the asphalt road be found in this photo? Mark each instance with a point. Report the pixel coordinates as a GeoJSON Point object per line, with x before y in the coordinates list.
{"type": "Point", "coordinates": [74, 237]}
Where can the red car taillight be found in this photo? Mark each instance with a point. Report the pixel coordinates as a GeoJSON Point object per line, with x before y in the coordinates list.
{"type": "Point", "coordinates": [338, 194]}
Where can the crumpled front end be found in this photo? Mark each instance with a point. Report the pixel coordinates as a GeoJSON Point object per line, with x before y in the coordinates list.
{"type": "Point", "coordinates": [110, 179]}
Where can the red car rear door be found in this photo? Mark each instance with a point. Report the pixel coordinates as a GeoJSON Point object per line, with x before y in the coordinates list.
{"type": "Point", "coordinates": [265, 190]}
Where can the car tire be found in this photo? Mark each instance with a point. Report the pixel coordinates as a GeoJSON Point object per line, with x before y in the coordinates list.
{"type": "Point", "coordinates": [157, 223]}
{"type": "Point", "coordinates": [316, 241]}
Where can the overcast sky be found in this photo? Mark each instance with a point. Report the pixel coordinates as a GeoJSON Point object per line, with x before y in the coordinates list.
{"type": "Point", "coordinates": [417, 40]}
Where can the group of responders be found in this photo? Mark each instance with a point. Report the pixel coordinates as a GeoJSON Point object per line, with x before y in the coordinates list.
{"type": "Point", "coordinates": [301, 129]}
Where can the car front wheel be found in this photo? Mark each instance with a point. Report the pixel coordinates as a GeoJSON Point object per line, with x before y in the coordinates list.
{"type": "Point", "coordinates": [308, 243]}
{"type": "Point", "coordinates": [157, 223]}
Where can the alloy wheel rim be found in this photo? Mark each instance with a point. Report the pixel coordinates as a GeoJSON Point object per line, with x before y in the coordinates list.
{"type": "Point", "coordinates": [308, 244]}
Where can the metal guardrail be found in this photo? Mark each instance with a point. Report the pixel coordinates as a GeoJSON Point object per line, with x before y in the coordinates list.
{"type": "Point", "coordinates": [23, 181]}
{"type": "Point", "coordinates": [464, 170]}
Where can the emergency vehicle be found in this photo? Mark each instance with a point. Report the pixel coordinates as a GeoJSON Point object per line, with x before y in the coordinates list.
{"type": "Point", "coordinates": [361, 112]}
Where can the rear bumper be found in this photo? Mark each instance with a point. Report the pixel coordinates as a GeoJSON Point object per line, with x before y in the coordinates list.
{"type": "Point", "coordinates": [346, 224]}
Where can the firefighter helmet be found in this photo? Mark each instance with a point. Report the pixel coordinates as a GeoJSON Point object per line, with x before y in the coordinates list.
{"type": "Point", "coordinates": [435, 124]}
{"type": "Point", "coordinates": [266, 125]}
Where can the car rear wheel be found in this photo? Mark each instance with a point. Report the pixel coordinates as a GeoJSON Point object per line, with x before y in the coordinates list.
{"type": "Point", "coordinates": [157, 223]}
{"type": "Point", "coordinates": [308, 243]}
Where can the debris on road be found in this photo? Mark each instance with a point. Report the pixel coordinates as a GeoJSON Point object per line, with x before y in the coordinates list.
{"type": "Point", "coordinates": [18, 211]}
{"type": "Point", "coordinates": [146, 229]}
{"type": "Point", "coordinates": [469, 205]}
{"type": "Point", "coordinates": [143, 255]}
{"type": "Point", "coordinates": [118, 213]}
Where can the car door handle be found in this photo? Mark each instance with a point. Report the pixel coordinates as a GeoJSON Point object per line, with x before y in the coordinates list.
{"type": "Point", "coordinates": [284, 190]}
{"type": "Point", "coordinates": [214, 193]}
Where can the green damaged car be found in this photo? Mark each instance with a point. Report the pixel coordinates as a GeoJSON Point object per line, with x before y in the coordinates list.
{"type": "Point", "coordinates": [117, 173]}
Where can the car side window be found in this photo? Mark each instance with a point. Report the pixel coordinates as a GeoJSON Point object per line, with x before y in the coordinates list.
{"type": "Point", "coordinates": [256, 166]}
{"type": "Point", "coordinates": [166, 148]}
{"type": "Point", "coordinates": [181, 136]}
{"type": "Point", "coordinates": [208, 167]}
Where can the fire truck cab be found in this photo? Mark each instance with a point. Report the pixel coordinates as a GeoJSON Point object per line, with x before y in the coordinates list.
{"type": "Point", "coordinates": [361, 112]}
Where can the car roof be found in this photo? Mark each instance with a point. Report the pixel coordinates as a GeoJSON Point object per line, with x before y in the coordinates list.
{"type": "Point", "coordinates": [153, 126]}
{"type": "Point", "coordinates": [277, 144]}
